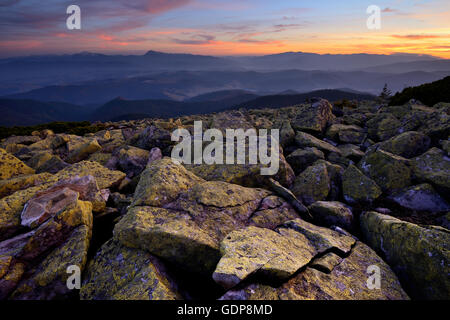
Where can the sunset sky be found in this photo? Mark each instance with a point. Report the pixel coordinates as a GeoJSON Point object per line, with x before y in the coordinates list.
{"type": "Point", "coordinates": [213, 27]}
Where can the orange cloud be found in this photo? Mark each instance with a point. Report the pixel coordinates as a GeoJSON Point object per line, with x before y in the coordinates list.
{"type": "Point", "coordinates": [417, 36]}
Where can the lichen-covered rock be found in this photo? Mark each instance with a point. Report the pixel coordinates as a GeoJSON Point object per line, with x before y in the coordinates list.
{"type": "Point", "coordinates": [45, 161]}
{"type": "Point", "coordinates": [408, 144]}
{"type": "Point", "coordinates": [132, 160]}
{"type": "Point", "coordinates": [326, 263]}
{"type": "Point", "coordinates": [313, 117]}
{"type": "Point", "coordinates": [48, 280]}
{"type": "Point", "coordinates": [50, 142]}
{"type": "Point", "coordinates": [305, 140]}
{"type": "Point", "coordinates": [419, 255]}
{"type": "Point", "coordinates": [351, 151]}
{"type": "Point", "coordinates": [10, 166]}
{"type": "Point", "coordinates": [104, 177]}
{"type": "Point", "coordinates": [436, 125]}
{"type": "Point", "coordinates": [39, 259]}
{"type": "Point", "coordinates": [118, 272]}
{"type": "Point", "coordinates": [153, 136]}
{"type": "Point", "coordinates": [196, 217]}
{"type": "Point", "coordinates": [334, 130]}
{"type": "Point", "coordinates": [162, 181]}
{"type": "Point", "coordinates": [433, 166]}
{"type": "Point", "coordinates": [171, 235]}
{"type": "Point", "coordinates": [321, 238]}
{"type": "Point", "coordinates": [300, 159]}
{"type": "Point", "coordinates": [274, 256]}
{"type": "Point", "coordinates": [383, 126]}
{"type": "Point", "coordinates": [46, 204]}
{"type": "Point", "coordinates": [82, 151]}
{"type": "Point", "coordinates": [21, 182]}
{"type": "Point", "coordinates": [356, 187]}
{"type": "Point", "coordinates": [263, 252]}
{"type": "Point", "coordinates": [100, 157]}
{"type": "Point", "coordinates": [11, 207]}
{"type": "Point", "coordinates": [287, 195]}
{"type": "Point", "coordinates": [389, 171]}
{"type": "Point", "coordinates": [347, 281]}
{"type": "Point", "coordinates": [287, 133]}
{"type": "Point", "coordinates": [332, 213]}
{"type": "Point", "coordinates": [313, 184]}
{"type": "Point", "coordinates": [245, 174]}
{"type": "Point", "coordinates": [154, 154]}
{"type": "Point", "coordinates": [422, 197]}
{"type": "Point", "coordinates": [350, 136]}
{"type": "Point", "coordinates": [23, 140]}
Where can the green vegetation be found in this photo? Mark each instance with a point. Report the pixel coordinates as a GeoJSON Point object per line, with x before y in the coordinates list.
{"type": "Point", "coordinates": [385, 94]}
{"type": "Point", "coordinates": [429, 94]}
{"type": "Point", "coordinates": [78, 128]}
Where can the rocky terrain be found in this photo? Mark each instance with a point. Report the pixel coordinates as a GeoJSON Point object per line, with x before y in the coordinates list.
{"type": "Point", "coordinates": [357, 187]}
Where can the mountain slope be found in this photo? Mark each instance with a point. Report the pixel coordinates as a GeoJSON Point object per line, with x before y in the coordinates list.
{"type": "Point", "coordinates": [282, 100]}
{"type": "Point", "coordinates": [31, 112]}
{"type": "Point", "coordinates": [183, 85]}
{"type": "Point", "coordinates": [429, 93]}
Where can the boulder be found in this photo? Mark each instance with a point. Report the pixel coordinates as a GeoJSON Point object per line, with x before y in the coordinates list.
{"type": "Point", "coordinates": [351, 136]}
{"type": "Point", "coordinates": [46, 204]}
{"type": "Point", "coordinates": [191, 223]}
{"type": "Point", "coordinates": [21, 182]}
{"type": "Point", "coordinates": [300, 159]}
{"type": "Point", "coordinates": [408, 144]}
{"type": "Point", "coordinates": [434, 167]}
{"type": "Point", "coordinates": [169, 234]}
{"type": "Point", "coordinates": [261, 252]}
{"type": "Point", "coordinates": [383, 126]}
{"type": "Point", "coordinates": [153, 136]}
{"type": "Point", "coordinates": [389, 171]}
{"type": "Point", "coordinates": [10, 166]}
{"type": "Point", "coordinates": [44, 254]}
{"type": "Point", "coordinates": [246, 174]}
{"type": "Point", "coordinates": [419, 255]}
{"type": "Point", "coordinates": [313, 184]}
{"type": "Point", "coordinates": [82, 150]}
{"type": "Point", "coordinates": [334, 130]}
{"type": "Point", "coordinates": [305, 140]}
{"type": "Point", "coordinates": [422, 197]}
{"type": "Point", "coordinates": [274, 256]}
{"type": "Point", "coordinates": [351, 151]}
{"type": "Point", "coordinates": [132, 160]}
{"type": "Point", "coordinates": [104, 177]}
{"type": "Point", "coordinates": [118, 272]}
{"type": "Point", "coordinates": [313, 117]}
{"type": "Point", "coordinates": [347, 281]}
{"type": "Point", "coordinates": [162, 181]}
{"type": "Point", "coordinates": [45, 161]}
{"type": "Point", "coordinates": [356, 187]}
{"type": "Point", "coordinates": [48, 280]}
{"type": "Point", "coordinates": [155, 154]}
{"type": "Point", "coordinates": [332, 213]}
{"type": "Point", "coordinates": [287, 133]}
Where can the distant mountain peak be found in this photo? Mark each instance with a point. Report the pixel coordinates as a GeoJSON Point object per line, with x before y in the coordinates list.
{"type": "Point", "coordinates": [153, 53]}
{"type": "Point", "coordinates": [88, 54]}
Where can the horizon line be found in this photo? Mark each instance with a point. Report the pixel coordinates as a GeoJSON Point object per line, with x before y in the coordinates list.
{"type": "Point", "coordinates": [134, 53]}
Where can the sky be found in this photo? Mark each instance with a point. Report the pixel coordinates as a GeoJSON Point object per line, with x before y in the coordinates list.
{"type": "Point", "coordinates": [224, 27]}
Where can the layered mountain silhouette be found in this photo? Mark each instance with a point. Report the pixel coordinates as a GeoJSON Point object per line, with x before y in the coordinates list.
{"type": "Point", "coordinates": [26, 112]}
